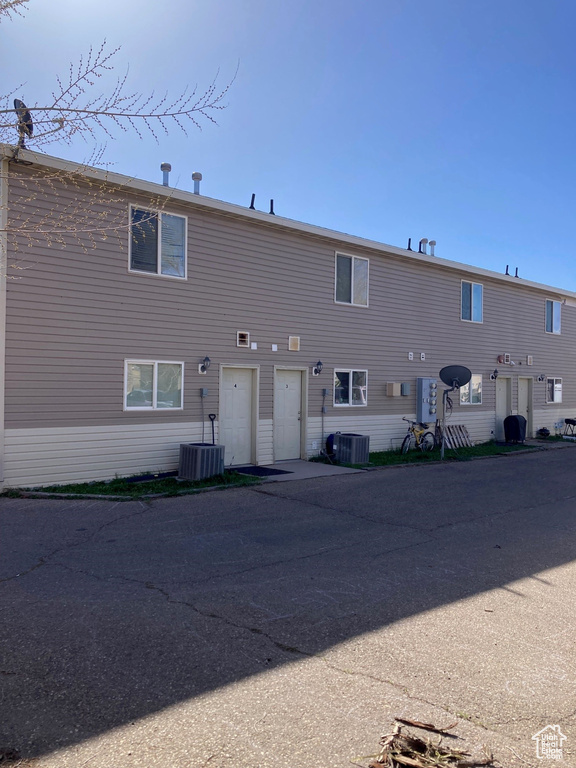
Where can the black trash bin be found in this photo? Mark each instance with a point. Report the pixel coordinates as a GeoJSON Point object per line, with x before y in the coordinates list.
{"type": "Point", "coordinates": [515, 429]}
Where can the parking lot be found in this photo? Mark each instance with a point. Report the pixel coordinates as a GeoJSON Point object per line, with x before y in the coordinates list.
{"type": "Point", "coordinates": [287, 624]}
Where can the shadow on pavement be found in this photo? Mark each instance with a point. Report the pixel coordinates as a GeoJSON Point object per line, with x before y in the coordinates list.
{"type": "Point", "coordinates": [114, 611]}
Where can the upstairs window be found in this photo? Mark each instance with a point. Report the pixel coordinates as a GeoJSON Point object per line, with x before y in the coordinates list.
{"type": "Point", "coordinates": [350, 387]}
{"type": "Point", "coordinates": [553, 390]}
{"type": "Point", "coordinates": [157, 243]}
{"type": "Point", "coordinates": [472, 299]}
{"type": "Point", "coordinates": [150, 385]}
{"type": "Point", "coordinates": [553, 309]}
{"type": "Point", "coordinates": [471, 393]}
{"type": "Point", "coordinates": [351, 280]}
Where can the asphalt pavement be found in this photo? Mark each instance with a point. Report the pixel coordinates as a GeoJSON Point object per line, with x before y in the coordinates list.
{"type": "Point", "coordinates": [287, 624]}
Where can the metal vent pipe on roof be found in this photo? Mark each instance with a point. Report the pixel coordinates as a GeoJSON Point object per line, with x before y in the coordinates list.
{"type": "Point", "coordinates": [196, 178]}
{"type": "Point", "coordinates": [432, 243]}
{"type": "Point", "coordinates": [422, 245]}
{"type": "Point", "coordinates": [165, 168]}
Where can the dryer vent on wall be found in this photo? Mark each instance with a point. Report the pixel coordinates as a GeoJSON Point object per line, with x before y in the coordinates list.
{"type": "Point", "coordinates": [242, 339]}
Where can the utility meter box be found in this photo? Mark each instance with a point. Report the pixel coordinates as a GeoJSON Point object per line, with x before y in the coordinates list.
{"type": "Point", "coordinates": [426, 399]}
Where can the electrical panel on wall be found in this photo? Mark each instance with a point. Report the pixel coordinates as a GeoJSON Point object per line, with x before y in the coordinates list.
{"type": "Point", "coordinates": [426, 399]}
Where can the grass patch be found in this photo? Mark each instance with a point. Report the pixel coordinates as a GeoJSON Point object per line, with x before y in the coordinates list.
{"type": "Point", "coordinates": [391, 458]}
{"type": "Point", "coordinates": [136, 489]}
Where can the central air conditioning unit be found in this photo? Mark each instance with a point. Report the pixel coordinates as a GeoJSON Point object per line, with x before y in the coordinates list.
{"type": "Point", "coordinates": [352, 449]}
{"type": "Point", "coordinates": [200, 460]}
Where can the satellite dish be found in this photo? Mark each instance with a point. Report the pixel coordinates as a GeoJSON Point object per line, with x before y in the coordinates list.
{"type": "Point", "coordinates": [455, 376]}
{"type": "Point", "coordinates": [25, 125]}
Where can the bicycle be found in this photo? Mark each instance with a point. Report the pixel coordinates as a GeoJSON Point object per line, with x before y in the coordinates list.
{"type": "Point", "coordinates": [418, 437]}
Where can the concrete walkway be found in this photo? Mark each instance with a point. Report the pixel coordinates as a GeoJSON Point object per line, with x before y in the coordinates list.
{"type": "Point", "coordinates": [287, 624]}
{"type": "Point", "coordinates": [303, 470]}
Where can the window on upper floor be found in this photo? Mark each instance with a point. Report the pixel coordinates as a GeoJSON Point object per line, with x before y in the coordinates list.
{"type": "Point", "coordinates": [472, 300]}
{"type": "Point", "coordinates": [553, 390]}
{"type": "Point", "coordinates": [350, 387]}
{"type": "Point", "coordinates": [150, 385]}
{"type": "Point", "coordinates": [471, 393]}
{"type": "Point", "coordinates": [351, 280]}
{"type": "Point", "coordinates": [157, 243]}
{"type": "Point", "coordinates": [553, 320]}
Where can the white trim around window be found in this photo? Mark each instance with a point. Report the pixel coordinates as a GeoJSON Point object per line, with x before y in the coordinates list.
{"type": "Point", "coordinates": [351, 280]}
{"type": "Point", "coordinates": [553, 321]}
{"type": "Point", "coordinates": [471, 393]}
{"type": "Point", "coordinates": [471, 302]}
{"type": "Point", "coordinates": [553, 390]}
{"type": "Point", "coordinates": [153, 385]}
{"type": "Point", "coordinates": [350, 387]}
{"type": "Point", "coordinates": [157, 243]}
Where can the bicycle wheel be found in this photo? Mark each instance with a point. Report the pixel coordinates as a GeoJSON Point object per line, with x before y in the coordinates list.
{"type": "Point", "coordinates": [407, 443]}
{"type": "Point", "coordinates": [427, 442]}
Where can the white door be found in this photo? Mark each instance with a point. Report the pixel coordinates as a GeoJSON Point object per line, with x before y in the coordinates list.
{"type": "Point", "coordinates": [525, 402]}
{"type": "Point", "coordinates": [287, 415]}
{"type": "Point", "coordinates": [236, 415]}
{"type": "Point", "coordinates": [503, 405]}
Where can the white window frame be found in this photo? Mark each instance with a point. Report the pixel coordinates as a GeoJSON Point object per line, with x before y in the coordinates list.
{"type": "Point", "coordinates": [468, 389]}
{"type": "Point", "coordinates": [557, 390]}
{"type": "Point", "coordinates": [553, 302]}
{"type": "Point", "coordinates": [472, 305]}
{"type": "Point", "coordinates": [351, 303]}
{"type": "Point", "coordinates": [158, 272]}
{"type": "Point", "coordinates": [154, 406]}
{"type": "Point", "coordinates": [350, 403]}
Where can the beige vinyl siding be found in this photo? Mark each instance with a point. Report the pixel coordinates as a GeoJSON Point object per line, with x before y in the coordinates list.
{"type": "Point", "coordinates": [387, 431]}
{"type": "Point", "coordinates": [75, 314]}
{"type": "Point", "coordinates": [82, 454]}
{"type": "Point", "coordinates": [552, 414]}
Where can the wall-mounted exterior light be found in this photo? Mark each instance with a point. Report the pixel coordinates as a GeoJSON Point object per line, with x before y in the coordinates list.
{"type": "Point", "coordinates": [204, 365]}
{"type": "Point", "coordinates": [317, 369]}
{"type": "Point", "coordinates": [494, 374]}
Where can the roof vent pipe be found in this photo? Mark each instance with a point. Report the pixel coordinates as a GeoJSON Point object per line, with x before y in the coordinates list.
{"type": "Point", "coordinates": [422, 245]}
{"type": "Point", "coordinates": [432, 243]}
{"type": "Point", "coordinates": [272, 207]}
{"type": "Point", "coordinates": [196, 178]}
{"type": "Point", "coordinates": [409, 244]}
{"type": "Point", "coordinates": [165, 168]}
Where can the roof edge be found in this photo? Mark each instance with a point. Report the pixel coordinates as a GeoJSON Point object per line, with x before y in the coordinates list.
{"type": "Point", "coordinates": [238, 211]}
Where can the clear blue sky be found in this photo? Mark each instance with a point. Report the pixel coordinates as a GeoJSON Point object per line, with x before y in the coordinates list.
{"type": "Point", "coordinates": [388, 119]}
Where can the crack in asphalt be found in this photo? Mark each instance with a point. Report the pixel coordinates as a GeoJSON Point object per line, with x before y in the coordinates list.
{"type": "Point", "coordinates": [256, 567]}
{"type": "Point", "coordinates": [335, 510]}
{"type": "Point", "coordinates": [384, 520]}
{"type": "Point", "coordinates": [281, 646]}
{"type": "Point", "coordinates": [43, 559]}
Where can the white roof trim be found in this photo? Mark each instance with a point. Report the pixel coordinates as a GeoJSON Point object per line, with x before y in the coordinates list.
{"type": "Point", "coordinates": [238, 211]}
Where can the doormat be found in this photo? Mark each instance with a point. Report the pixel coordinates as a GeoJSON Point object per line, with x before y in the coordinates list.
{"type": "Point", "coordinates": [261, 471]}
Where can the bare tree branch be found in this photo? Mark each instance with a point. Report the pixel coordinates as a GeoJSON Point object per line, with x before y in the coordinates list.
{"type": "Point", "coordinates": [67, 208]}
{"type": "Point", "coordinates": [11, 7]}
{"type": "Point", "coordinates": [75, 110]}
